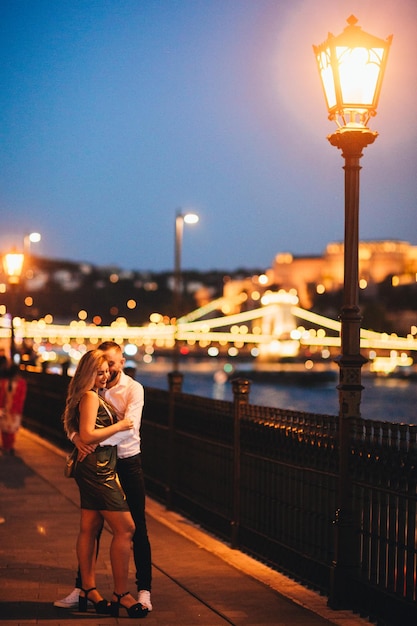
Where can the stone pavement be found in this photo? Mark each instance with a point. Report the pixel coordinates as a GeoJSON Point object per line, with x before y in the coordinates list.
{"type": "Point", "coordinates": [197, 580]}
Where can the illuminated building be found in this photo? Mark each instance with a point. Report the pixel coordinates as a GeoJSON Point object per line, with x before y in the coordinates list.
{"type": "Point", "coordinates": [378, 260]}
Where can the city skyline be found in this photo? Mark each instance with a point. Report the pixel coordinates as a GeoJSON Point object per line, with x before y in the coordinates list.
{"type": "Point", "coordinates": [118, 114]}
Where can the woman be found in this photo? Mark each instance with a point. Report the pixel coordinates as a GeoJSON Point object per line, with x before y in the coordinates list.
{"type": "Point", "coordinates": [101, 495]}
{"type": "Point", "coordinates": [12, 399]}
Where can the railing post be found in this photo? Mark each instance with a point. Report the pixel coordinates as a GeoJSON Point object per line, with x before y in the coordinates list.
{"type": "Point", "coordinates": [175, 380]}
{"type": "Point", "coordinates": [241, 388]}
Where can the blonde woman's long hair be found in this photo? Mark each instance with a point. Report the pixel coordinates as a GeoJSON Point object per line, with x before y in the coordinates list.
{"type": "Point", "coordinates": [82, 381]}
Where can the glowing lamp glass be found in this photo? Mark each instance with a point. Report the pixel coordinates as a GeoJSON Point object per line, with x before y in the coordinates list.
{"type": "Point", "coordinates": [191, 218]}
{"type": "Point", "coordinates": [35, 237]}
{"type": "Point", "coordinates": [351, 68]}
{"type": "Point", "coordinates": [13, 265]}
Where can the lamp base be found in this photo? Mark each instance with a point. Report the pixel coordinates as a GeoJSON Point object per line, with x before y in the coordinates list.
{"type": "Point", "coordinates": [352, 141]}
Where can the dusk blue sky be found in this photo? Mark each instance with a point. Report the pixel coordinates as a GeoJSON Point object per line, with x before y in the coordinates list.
{"type": "Point", "coordinates": [116, 113]}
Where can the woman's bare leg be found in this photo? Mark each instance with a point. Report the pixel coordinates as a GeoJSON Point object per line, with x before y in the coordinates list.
{"type": "Point", "coordinates": [90, 524]}
{"type": "Point", "coordinates": [123, 527]}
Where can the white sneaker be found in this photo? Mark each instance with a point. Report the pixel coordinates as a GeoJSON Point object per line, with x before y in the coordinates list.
{"type": "Point", "coordinates": [144, 598]}
{"type": "Point", "coordinates": [70, 601]}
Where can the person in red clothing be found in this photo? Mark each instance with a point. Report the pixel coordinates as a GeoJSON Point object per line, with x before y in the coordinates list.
{"type": "Point", "coordinates": [12, 399]}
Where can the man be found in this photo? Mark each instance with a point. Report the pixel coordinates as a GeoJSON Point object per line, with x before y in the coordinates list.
{"type": "Point", "coordinates": [127, 397]}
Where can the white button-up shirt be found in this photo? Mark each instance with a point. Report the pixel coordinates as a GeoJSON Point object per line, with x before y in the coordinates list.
{"type": "Point", "coordinates": [127, 397]}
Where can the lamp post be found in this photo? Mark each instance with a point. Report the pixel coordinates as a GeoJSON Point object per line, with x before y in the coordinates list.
{"type": "Point", "coordinates": [13, 264]}
{"type": "Point", "coordinates": [180, 220]}
{"type": "Point", "coordinates": [29, 239]}
{"type": "Point", "coordinates": [351, 68]}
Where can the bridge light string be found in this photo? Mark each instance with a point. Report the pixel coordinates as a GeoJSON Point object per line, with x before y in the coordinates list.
{"type": "Point", "coordinates": [202, 330]}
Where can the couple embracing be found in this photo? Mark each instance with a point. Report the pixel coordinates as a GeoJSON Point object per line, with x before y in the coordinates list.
{"type": "Point", "coordinates": [102, 418]}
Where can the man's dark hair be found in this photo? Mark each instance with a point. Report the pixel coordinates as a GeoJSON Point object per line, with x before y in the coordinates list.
{"type": "Point", "coordinates": [107, 345]}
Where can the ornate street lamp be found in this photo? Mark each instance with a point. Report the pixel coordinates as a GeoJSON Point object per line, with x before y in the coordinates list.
{"type": "Point", "coordinates": [13, 264]}
{"type": "Point", "coordinates": [351, 68]}
{"type": "Point", "coordinates": [180, 220]}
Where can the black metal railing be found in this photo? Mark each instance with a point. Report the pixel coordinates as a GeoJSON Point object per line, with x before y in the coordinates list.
{"type": "Point", "coordinates": [266, 481]}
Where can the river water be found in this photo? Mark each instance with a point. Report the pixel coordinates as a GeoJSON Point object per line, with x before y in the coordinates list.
{"type": "Point", "coordinates": [383, 398]}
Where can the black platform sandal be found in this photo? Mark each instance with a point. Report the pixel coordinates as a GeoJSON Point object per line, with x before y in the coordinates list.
{"type": "Point", "coordinates": [136, 610]}
{"type": "Point", "coordinates": [102, 607]}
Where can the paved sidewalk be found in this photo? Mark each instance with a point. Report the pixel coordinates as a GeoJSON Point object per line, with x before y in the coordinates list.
{"type": "Point", "coordinates": [197, 579]}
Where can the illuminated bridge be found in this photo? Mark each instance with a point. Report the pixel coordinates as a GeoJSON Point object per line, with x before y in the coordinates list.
{"type": "Point", "coordinates": [279, 328]}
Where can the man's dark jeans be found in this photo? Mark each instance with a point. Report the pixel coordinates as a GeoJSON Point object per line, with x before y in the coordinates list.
{"type": "Point", "coordinates": [131, 478]}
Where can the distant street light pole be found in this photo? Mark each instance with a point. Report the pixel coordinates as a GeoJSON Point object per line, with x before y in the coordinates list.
{"type": "Point", "coordinates": [180, 219]}
{"type": "Point", "coordinates": [29, 239]}
{"type": "Point", "coordinates": [13, 264]}
{"type": "Point", "coordinates": [351, 68]}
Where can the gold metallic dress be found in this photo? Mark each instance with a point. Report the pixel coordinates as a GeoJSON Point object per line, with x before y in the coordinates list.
{"type": "Point", "coordinates": [96, 476]}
